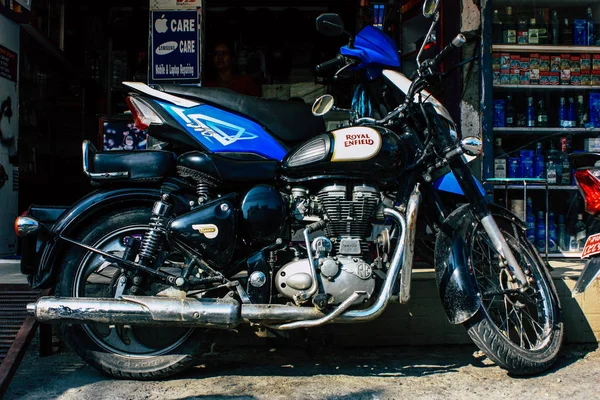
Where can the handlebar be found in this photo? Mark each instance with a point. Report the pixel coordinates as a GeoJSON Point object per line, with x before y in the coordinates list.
{"type": "Point", "coordinates": [335, 63]}
{"type": "Point", "coordinates": [457, 42]}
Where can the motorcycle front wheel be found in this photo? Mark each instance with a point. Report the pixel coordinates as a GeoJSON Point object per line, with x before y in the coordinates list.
{"type": "Point", "coordinates": [521, 331]}
{"type": "Point", "coordinates": [122, 351]}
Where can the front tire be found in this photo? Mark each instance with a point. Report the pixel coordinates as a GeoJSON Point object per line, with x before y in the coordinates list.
{"type": "Point", "coordinates": [127, 352]}
{"type": "Point", "coordinates": [521, 332]}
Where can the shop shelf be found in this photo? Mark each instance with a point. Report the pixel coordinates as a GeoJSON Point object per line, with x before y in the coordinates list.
{"type": "Point", "coordinates": [534, 187]}
{"type": "Point", "coordinates": [542, 131]}
{"type": "Point", "coordinates": [536, 48]}
{"type": "Point", "coordinates": [547, 87]}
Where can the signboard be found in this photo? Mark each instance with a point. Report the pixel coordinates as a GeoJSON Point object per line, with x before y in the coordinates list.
{"type": "Point", "coordinates": [175, 46]}
{"type": "Point", "coordinates": [9, 132]}
{"type": "Point", "coordinates": [175, 4]}
{"type": "Point", "coordinates": [8, 64]}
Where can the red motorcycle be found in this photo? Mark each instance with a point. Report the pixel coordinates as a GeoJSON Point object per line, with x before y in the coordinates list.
{"type": "Point", "coordinates": [587, 176]}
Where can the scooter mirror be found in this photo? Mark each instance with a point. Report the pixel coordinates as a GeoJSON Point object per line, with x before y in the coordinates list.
{"type": "Point", "coordinates": [330, 25]}
{"type": "Point", "coordinates": [323, 105]}
{"type": "Point", "coordinates": [430, 7]}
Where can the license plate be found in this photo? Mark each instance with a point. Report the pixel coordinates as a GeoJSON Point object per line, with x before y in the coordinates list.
{"type": "Point", "coordinates": [592, 246]}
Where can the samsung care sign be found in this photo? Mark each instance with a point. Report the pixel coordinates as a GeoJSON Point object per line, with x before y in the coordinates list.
{"type": "Point", "coordinates": [175, 54]}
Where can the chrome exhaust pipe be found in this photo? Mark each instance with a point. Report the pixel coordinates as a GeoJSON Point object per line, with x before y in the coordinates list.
{"type": "Point", "coordinates": [213, 313]}
{"type": "Point", "coordinates": [138, 310]}
{"type": "Point", "coordinates": [412, 211]}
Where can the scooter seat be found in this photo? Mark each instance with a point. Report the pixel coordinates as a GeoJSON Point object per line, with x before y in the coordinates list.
{"type": "Point", "coordinates": [290, 121]}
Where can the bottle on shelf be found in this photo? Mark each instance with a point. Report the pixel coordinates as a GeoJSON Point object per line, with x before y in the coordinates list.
{"type": "Point", "coordinates": [543, 28]}
{"type": "Point", "coordinates": [554, 28]}
{"type": "Point", "coordinates": [562, 234]}
{"type": "Point", "coordinates": [552, 235]}
{"type": "Point", "coordinates": [496, 28]}
{"type": "Point", "coordinates": [571, 114]}
{"type": "Point", "coordinates": [591, 38]}
{"type": "Point", "coordinates": [530, 112]}
{"type": "Point", "coordinates": [522, 30]}
{"type": "Point", "coordinates": [509, 35]}
{"type": "Point", "coordinates": [563, 121]}
{"type": "Point", "coordinates": [566, 36]}
{"type": "Point", "coordinates": [542, 114]}
{"type": "Point", "coordinates": [539, 162]}
{"type": "Point", "coordinates": [509, 112]}
{"type": "Point", "coordinates": [564, 160]}
{"type": "Point", "coordinates": [580, 234]}
{"type": "Point", "coordinates": [551, 172]}
{"type": "Point", "coordinates": [500, 160]}
{"type": "Point", "coordinates": [582, 116]}
{"type": "Point", "coordinates": [530, 220]}
{"type": "Point", "coordinates": [534, 32]}
{"type": "Point", "coordinates": [540, 232]}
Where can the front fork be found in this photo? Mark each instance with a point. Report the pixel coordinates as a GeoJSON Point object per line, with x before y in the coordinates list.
{"type": "Point", "coordinates": [476, 198]}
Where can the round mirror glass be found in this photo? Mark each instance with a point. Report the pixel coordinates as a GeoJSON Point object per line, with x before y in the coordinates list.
{"type": "Point", "coordinates": [430, 7]}
{"type": "Point", "coordinates": [323, 105]}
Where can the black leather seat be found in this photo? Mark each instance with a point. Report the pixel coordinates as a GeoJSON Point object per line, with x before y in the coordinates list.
{"type": "Point", "coordinates": [291, 122]}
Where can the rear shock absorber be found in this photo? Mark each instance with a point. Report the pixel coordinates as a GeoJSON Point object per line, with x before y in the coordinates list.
{"type": "Point", "coordinates": [153, 239]}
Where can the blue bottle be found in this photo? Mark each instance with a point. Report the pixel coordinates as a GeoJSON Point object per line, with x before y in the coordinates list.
{"type": "Point", "coordinates": [539, 165]}
{"type": "Point", "coordinates": [540, 233]}
{"type": "Point", "coordinates": [572, 114]}
{"type": "Point", "coordinates": [562, 114]}
{"type": "Point", "coordinates": [530, 221]}
{"type": "Point", "coordinates": [530, 112]}
{"type": "Point", "coordinates": [552, 236]}
{"type": "Point", "coordinates": [527, 163]}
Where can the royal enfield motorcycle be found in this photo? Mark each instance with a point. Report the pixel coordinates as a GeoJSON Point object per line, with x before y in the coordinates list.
{"type": "Point", "coordinates": [251, 213]}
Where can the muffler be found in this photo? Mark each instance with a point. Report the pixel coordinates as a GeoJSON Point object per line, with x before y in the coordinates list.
{"type": "Point", "coordinates": [138, 310]}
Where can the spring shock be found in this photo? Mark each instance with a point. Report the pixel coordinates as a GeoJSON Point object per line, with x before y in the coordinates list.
{"type": "Point", "coordinates": [203, 191]}
{"type": "Point", "coordinates": [152, 242]}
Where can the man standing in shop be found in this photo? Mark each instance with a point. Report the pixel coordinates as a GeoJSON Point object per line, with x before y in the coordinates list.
{"type": "Point", "coordinates": [226, 77]}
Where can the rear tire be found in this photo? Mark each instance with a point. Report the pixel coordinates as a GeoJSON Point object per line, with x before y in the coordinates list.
{"type": "Point", "coordinates": [521, 332]}
{"type": "Point", "coordinates": [127, 352]}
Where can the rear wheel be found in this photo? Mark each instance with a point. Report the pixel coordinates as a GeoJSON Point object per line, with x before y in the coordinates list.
{"type": "Point", "coordinates": [521, 331]}
{"type": "Point", "coordinates": [121, 351]}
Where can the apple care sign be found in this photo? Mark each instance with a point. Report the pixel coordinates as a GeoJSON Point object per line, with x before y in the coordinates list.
{"type": "Point", "coordinates": [175, 45]}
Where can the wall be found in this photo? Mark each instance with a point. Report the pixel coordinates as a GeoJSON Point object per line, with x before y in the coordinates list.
{"type": "Point", "coordinates": [9, 125]}
{"type": "Point", "coordinates": [470, 118]}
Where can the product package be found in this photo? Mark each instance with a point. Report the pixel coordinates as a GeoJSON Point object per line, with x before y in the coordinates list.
{"type": "Point", "coordinates": [505, 76]}
{"type": "Point", "coordinates": [504, 61]}
{"type": "Point", "coordinates": [575, 64]}
{"type": "Point", "coordinates": [595, 109]}
{"type": "Point", "coordinates": [515, 61]}
{"type": "Point", "coordinates": [515, 76]}
{"type": "Point", "coordinates": [524, 64]}
{"type": "Point", "coordinates": [534, 76]}
{"type": "Point", "coordinates": [545, 63]}
{"type": "Point", "coordinates": [499, 113]}
{"type": "Point", "coordinates": [565, 77]}
{"type": "Point", "coordinates": [525, 77]}
{"type": "Point", "coordinates": [534, 61]}
{"type": "Point", "coordinates": [596, 62]}
{"type": "Point", "coordinates": [595, 78]}
{"type": "Point", "coordinates": [555, 63]}
{"type": "Point", "coordinates": [496, 62]}
{"type": "Point", "coordinates": [579, 32]}
{"type": "Point", "coordinates": [576, 78]}
{"type": "Point", "coordinates": [586, 79]}
{"type": "Point", "coordinates": [586, 62]}
{"type": "Point", "coordinates": [545, 78]}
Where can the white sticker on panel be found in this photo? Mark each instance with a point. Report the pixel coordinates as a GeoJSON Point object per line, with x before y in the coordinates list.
{"type": "Point", "coordinates": [355, 144]}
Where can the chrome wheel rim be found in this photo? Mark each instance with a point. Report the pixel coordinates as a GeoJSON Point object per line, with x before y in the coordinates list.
{"type": "Point", "coordinates": [96, 277]}
{"type": "Point", "coordinates": [525, 318]}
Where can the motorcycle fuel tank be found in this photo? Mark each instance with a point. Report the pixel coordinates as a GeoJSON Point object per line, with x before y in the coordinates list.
{"type": "Point", "coordinates": [360, 151]}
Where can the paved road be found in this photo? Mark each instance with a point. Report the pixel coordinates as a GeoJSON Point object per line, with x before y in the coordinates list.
{"type": "Point", "coordinates": [458, 372]}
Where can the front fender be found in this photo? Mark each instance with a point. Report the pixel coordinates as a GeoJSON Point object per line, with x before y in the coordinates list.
{"type": "Point", "coordinates": [454, 277]}
{"type": "Point", "coordinates": [76, 218]}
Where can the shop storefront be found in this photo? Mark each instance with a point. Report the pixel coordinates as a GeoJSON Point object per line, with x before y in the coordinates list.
{"type": "Point", "coordinates": [541, 91]}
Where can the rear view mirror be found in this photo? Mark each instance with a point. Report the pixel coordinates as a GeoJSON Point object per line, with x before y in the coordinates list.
{"type": "Point", "coordinates": [430, 7]}
{"type": "Point", "coordinates": [330, 25]}
{"type": "Point", "coordinates": [322, 105]}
